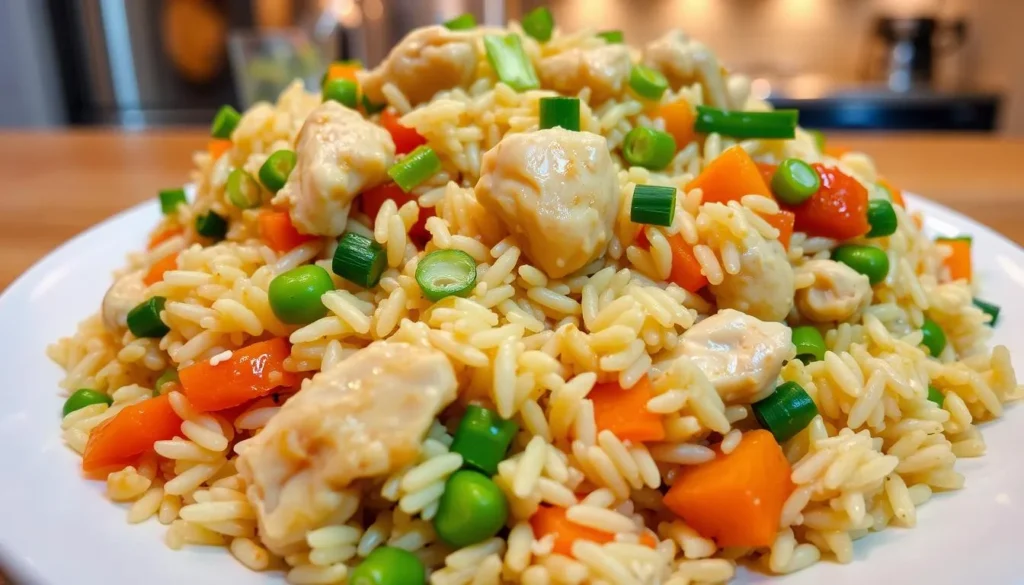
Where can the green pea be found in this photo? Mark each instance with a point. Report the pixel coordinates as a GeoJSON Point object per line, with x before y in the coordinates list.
{"type": "Point", "coordinates": [388, 565]}
{"type": "Point", "coordinates": [867, 260]}
{"type": "Point", "coordinates": [932, 337]}
{"type": "Point", "coordinates": [795, 181]}
{"type": "Point", "coordinates": [85, 397]}
{"type": "Point", "coordinates": [472, 509]}
{"type": "Point", "coordinates": [295, 295]}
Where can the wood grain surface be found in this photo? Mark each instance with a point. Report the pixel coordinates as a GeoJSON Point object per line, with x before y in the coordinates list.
{"type": "Point", "coordinates": [58, 184]}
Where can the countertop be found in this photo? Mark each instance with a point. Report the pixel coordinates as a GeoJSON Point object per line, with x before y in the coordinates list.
{"type": "Point", "coordinates": [58, 184]}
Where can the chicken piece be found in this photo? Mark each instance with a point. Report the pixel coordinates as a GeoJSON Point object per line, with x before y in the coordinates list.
{"type": "Point", "coordinates": [124, 295]}
{"type": "Point", "coordinates": [557, 191]}
{"type": "Point", "coordinates": [740, 355]}
{"type": "Point", "coordinates": [605, 70]}
{"type": "Point", "coordinates": [763, 287]}
{"type": "Point", "coordinates": [426, 61]}
{"type": "Point", "coordinates": [339, 154]}
{"type": "Point", "coordinates": [839, 293]}
{"type": "Point", "coordinates": [683, 61]}
{"type": "Point", "coordinates": [365, 417]}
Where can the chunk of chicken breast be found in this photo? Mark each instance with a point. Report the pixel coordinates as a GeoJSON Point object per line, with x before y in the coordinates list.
{"type": "Point", "coordinates": [365, 417]}
{"type": "Point", "coordinates": [124, 295]}
{"type": "Point", "coordinates": [741, 356]}
{"type": "Point", "coordinates": [764, 285]}
{"type": "Point", "coordinates": [339, 154]}
{"type": "Point", "coordinates": [839, 293]}
{"type": "Point", "coordinates": [605, 70]}
{"type": "Point", "coordinates": [557, 191]}
{"type": "Point", "coordinates": [426, 61]}
{"type": "Point", "coordinates": [683, 61]}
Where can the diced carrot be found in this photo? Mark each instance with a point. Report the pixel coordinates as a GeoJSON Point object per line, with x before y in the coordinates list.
{"type": "Point", "coordinates": [686, 271]}
{"type": "Point", "coordinates": [251, 372]}
{"type": "Point", "coordinates": [959, 261]}
{"type": "Point", "coordinates": [406, 139]}
{"type": "Point", "coordinates": [839, 209]}
{"type": "Point", "coordinates": [157, 270]}
{"type": "Point", "coordinates": [277, 230]}
{"type": "Point", "coordinates": [679, 120]}
{"type": "Point", "coordinates": [767, 172]}
{"type": "Point", "coordinates": [217, 147]}
{"type": "Point", "coordinates": [552, 520]}
{"type": "Point", "coordinates": [897, 194]}
{"type": "Point", "coordinates": [782, 221]}
{"type": "Point", "coordinates": [735, 499]}
{"type": "Point", "coordinates": [649, 540]}
{"type": "Point", "coordinates": [624, 411]}
{"type": "Point", "coordinates": [372, 199]}
{"type": "Point", "coordinates": [344, 70]}
{"type": "Point", "coordinates": [836, 150]}
{"type": "Point", "coordinates": [729, 177]}
{"type": "Point", "coordinates": [163, 235]}
{"type": "Point", "coordinates": [119, 440]}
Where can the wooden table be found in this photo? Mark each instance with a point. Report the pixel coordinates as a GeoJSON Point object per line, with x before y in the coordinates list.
{"type": "Point", "coordinates": [58, 184]}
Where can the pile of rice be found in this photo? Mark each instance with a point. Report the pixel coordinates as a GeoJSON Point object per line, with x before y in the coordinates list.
{"type": "Point", "coordinates": [532, 347]}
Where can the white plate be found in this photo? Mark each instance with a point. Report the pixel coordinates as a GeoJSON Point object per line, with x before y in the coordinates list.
{"type": "Point", "coordinates": [57, 529]}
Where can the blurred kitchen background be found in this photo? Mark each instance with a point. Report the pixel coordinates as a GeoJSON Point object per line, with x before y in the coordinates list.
{"type": "Point", "coordinates": [871, 65]}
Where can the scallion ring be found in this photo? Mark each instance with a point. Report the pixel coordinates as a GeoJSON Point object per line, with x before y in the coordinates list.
{"type": "Point", "coordinates": [989, 309]}
{"type": "Point", "coordinates": [560, 111]}
{"type": "Point", "coordinates": [653, 205]}
{"type": "Point", "coordinates": [510, 62]}
{"type": "Point", "coordinates": [810, 345]}
{"type": "Point", "coordinates": [225, 122]}
{"type": "Point", "coordinates": [785, 412]}
{"type": "Point", "coordinates": [276, 169]}
{"type": "Point", "coordinates": [359, 260]}
{"type": "Point", "coordinates": [243, 190]}
{"type": "Point", "coordinates": [539, 24]}
{"type": "Point", "coordinates": [647, 83]}
{"type": "Point", "coordinates": [211, 225]}
{"type": "Point", "coordinates": [417, 166]}
{"type": "Point", "coordinates": [648, 148]}
{"type": "Point", "coordinates": [444, 273]}
{"type": "Point", "coordinates": [462, 22]}
{"type": "Point", "coordinates": [612, 37]}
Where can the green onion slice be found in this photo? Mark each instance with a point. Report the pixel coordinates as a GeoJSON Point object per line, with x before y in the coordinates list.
{"type": "Point", "coordinates": [170, 199]}
{"type": "Point", "coordinates": [462, 22]}
{"type": "Point", "coordinates": [653, 205]}
{"type": "Point", "coordinates": [483, 438]}
{"type": "Point", "coordinates": [225, 122]}
{"type": "Point", "coordinates": [989, 309]}
{"type": "Point", "coordinates": [777, 124]}
{"type": "Point", "coordinates": [443, 273]}
{"type": "Point", "coordinates": [882, 218]}
{"type": "Point", "coordinates": [795, 181]}
{"type": "Point", "coordinates": [560, 111]}
{"type": "Point", "coordinates": [539, 24]}
{"type": "Point", "coordinates": [647, 83]}
{"type": "Point", "coordinates": [417, 166]}
{"type": "Point", "coordinates": [359, 260]}
{"type": "Point", "coordinates": [612, 37]}
{"type": "Point", "coordinates": [785, 412]}
{"type": "Point", "coordinates": [144, 320]}
{"type": "Point", "coordinates": [343, 91]}
{"type": "Point", "coordinates": [211, 225]}
{"type": "Point", "coordinates": [510, 63]}
{"type": "Point", "coordinates": [935, 396]}
{"type": "Point", "coordinates": [810, 345]}
{"type": "Point", "coordinates": [243, 190]}
{"type": "Point", "coordinates": [276, 169]}
{"type": "Point", "coordinates": [648, 148]}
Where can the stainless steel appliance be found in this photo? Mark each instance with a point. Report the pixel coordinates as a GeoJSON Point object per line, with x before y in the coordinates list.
{"type": "Point", "coordinates": [904, 51]}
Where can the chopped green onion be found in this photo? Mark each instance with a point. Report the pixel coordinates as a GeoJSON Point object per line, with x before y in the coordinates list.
{"type": "Point", "coordinates": [819, 139]}
{"type": "Point", "coordinates": [170, 199]}
{"type": "Point", "coordinates": [777, 124]}
{"type": "Point", "coordinates": [795, 181]}
{"type": "Point", "coordinates": [483, 438]}
{"type": "Point", "coordinates": [648, 83]}
{"type": "Point", "coordinates": [225, 122]}
{"type": "Point", "coordinates": [867, 260]}
{"type": "Point", "coordinates": [989, 309]}
{"type": "Point", "coordinates": [85, 397]}
{"type": "Point", "coordinates": [211, 225]}
{"type": "Point", "coordinates": [243, 190]}
{"type": "Point", "coordinates": [612, 37]}
{"type": "Point", "coordinates": [510, 63]}
{"type": "Point", "coordinates": [539, 24]}
{"type": "Point", "coordinates": [648, 148]}
{"type": "Point", "coordinates": [417, 166]}
{"type": "Point", "coordinates": [785, 412]}
{"type": "Point", "coordinates": [359, 260]}
{"type": "Point", "coordinates": [653, 205]}
{"type": "Point", "coordinates": [343, 91]}
{"type": "Point", "coordinates": [144, 320]}
{"type": "Point", "coordinates": [810, 345]}
{"type": "Point", "coordinates": [560, 111]}
{"type": "Point", "coordinates": [935, 396]}
{"type": "Point", "coordinates": [371, 108]}
{"type": "Point", "coordinates": [882, 218]}
{"type": "Point", "coordinates": [932, 337]}
{"type": "Point", "coordinates": [443, 273]}
{"type": "Point", "coordinates": [276, 169]}
{"type": "Point", "coordinates": [462, 22]}
{"type": "Point", "coordinates": [170, 375]}
{"type": "Point", "coordinates": [295, 295]}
